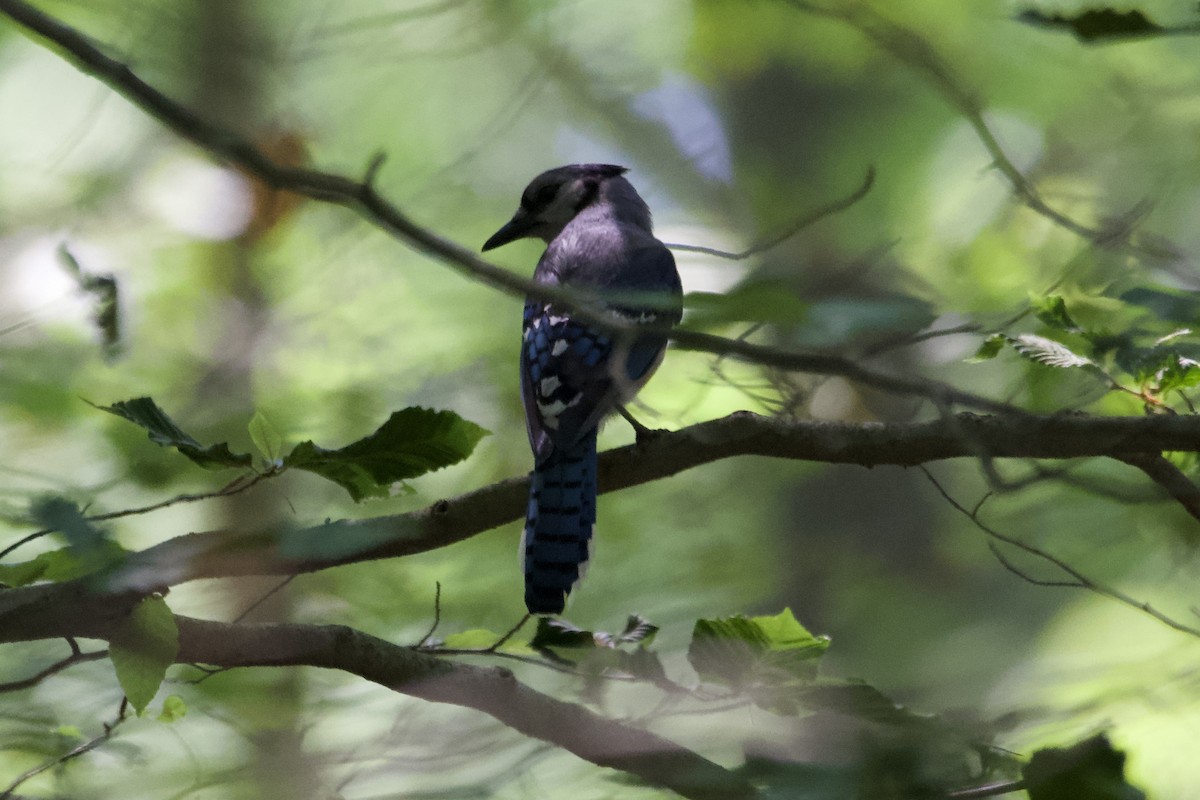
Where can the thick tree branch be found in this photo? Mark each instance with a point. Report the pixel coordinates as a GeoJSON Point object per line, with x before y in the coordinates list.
{"type": "Point", "coordinates": [362, 197]}
{"type": "Point", "coordinates": [492, 690]}
{"type": "Point", "coordinates": [234, 553]}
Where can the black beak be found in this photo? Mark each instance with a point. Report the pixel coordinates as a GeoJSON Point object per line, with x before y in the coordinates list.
{"type": "Point", "coordinates": [516, 228]}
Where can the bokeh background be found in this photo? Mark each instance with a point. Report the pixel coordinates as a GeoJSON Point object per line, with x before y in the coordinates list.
{"type": "Point", "coordinates": [735, 118]}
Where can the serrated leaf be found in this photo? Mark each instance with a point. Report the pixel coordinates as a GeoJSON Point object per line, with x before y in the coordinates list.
{"type": "Point", "coordinates": [142, 648]}
{"type": "Point", "coordinates": [1048, 352]}
{"type": "Point", "coordinates": [412, 442]}
{"type": "Point", "coordinates": [989, 349]}
{"type": "Point", "coordinates": [1089, 770]}
{"type": "Point", "coordinates": [145, 413]}
{"type": "Point", "coordinates": [1052, 311]}
{"type": "Point", "coordinates": [265, 437]}
{"type": "Point", "coordinates": [740, 651]}
{"type": "Point", "coordinates": [174, 708]}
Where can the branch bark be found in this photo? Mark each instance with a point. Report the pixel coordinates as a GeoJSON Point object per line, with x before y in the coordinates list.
{"type": "Point", "coordinates": [230, 553]}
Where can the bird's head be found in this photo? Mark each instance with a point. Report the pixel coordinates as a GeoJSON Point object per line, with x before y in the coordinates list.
{"type": "Point", "coordinates": [552, 199]}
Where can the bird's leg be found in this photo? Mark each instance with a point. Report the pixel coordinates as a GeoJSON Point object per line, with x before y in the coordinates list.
{"type": "Point", "coordinates": [641, 432]}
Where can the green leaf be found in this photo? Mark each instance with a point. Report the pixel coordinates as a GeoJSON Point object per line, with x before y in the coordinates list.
{"type": "Point", "coordinates": [482, 639]}
{"type": "Point", "coordinates": [989, 349]}
{"type": "Point", "coordinates": [1097, 24]}
{"type": "Point", "coordinates": [173, 709]}
{"type": "Point", "coordinates": [412, 442]}
{"type": "Point", "coordinates": [265, 437]}
{"type": "Point", "coordinates": [64, 564]}
{"type": "Point", "coordinates": [757, 301]}
{"type": "Point", "coordinates": [1052, 311]}
{"type": "Point", "coordinates": [142, 649]}
{"type": "Point", "coordinates": [1048, 352]}
{"type": "Point", "coordinates": [741, 651]}
{"type": "Point", "coordinates": [144, 412]}
{"type": "Point", "coordinates": [1089, 770]}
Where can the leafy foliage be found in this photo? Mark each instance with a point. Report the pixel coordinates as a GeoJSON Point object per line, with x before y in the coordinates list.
{"type": "Point", "coordinates": [145, 413]}
{"type": "Point", "coordinates": [412, 442]}
{"type": "Point", "coordinates": [143, 648]}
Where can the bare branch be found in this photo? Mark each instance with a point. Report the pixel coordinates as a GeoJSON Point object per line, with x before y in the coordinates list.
{"type": "Point", "coordinates": [812, 217]}
{"type": "Point", "coordinates": [76, 657]}
{"type": "Point", "coordinates": [86, 747]}
{"type": "Point", "coordinates": [1078, 579]}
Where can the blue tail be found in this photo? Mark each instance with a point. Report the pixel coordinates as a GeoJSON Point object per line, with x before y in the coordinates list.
{"type": "Point", "coordinates": [558, 525]}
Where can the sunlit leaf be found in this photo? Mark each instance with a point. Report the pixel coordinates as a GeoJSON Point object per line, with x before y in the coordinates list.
{"type": "Point", "coordinates": [142, 648]}
{"type": "Point", "coordinates": [64, 564]}
{"type": "Point", "coordinates": [412, 442]}
{"type": "Point", "coordinates": [482, 639]}
{"type": "Point", "coordinates": [741, 650]}
{"type": "Point", "coordinates": [1052, 311]}
{"type": "Point", "coordinates": [265, 437]}
{"type": "Point", "coordinates": [144, 412]}
{"type": "Point", "coordinates": [989, 349]}
{"type": "Point", "coordinates": [174, 708]}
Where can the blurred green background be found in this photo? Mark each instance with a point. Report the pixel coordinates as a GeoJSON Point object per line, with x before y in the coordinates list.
{"type": "Point", "coordinates": [735, 118]}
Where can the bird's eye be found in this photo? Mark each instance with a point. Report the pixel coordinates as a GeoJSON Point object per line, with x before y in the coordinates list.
{"type": "Point", "coordinates": [545, 195]}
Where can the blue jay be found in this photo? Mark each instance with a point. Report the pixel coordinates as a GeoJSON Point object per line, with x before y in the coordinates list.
{"type": "Point", "coordinates": [599, 240]}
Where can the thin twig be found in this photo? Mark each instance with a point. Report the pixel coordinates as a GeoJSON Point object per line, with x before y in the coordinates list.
{"type": "Point", "coordinates": [236, 486]}
{"type": "Point", "coordinates": [791, 230]}
{"type": "Point", "coordinates": [270, 592]}
{"type": "Point", "coordinates": [511, 633]}
{"type": "Point", "coordinates": [87, 746]}
{"type": "Point", "coordinates": [990, 790]}
{"type": "Point", "coordinates": [1080, 580]}
{"type": "Point", "coordinates": [76, 657]}
{"type": "Point", "coordinates": [437, 615]}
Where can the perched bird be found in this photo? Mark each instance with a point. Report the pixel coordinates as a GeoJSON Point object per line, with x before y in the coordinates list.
{"type": "Point", "coordinates": [599, 240]}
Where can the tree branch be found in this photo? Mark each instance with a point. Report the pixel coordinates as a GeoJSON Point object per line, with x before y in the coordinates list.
{"type": "Point", "coordinates": [285, 552]}
{"type": "Point", "coordinates": [492, 690]}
